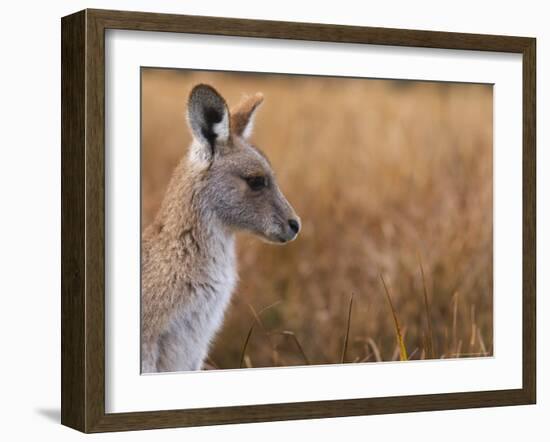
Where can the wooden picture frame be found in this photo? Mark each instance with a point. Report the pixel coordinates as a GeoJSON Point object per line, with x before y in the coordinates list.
{"type": "Point", "coordinates": [83, 219]}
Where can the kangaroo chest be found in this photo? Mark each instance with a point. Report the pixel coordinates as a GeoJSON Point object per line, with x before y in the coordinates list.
{"type": "Point", "coordinates": [195, 322]}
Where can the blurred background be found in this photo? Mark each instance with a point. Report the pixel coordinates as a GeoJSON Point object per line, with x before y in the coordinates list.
{"type": "Point", "coordinates": [393, 183]}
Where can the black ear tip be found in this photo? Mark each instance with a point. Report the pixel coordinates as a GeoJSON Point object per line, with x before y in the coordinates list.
{"type": "Point", "coordinates": [206, 101]}
{"type": "Point", "coordinates": [204, 91]}
{"type": "Point", "coordinates": [202, 87]}
{"type": "Point", "coordinates": [206, 108]}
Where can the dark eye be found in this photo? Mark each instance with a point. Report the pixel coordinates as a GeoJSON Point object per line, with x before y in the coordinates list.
{"type": "Point", "coordinates": [257, 182]}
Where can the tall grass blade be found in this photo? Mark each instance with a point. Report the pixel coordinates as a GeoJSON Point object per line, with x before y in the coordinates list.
{"type": "Point", "coordinates": [431, 348]}
{"type": "Point", "coordinates": [346, 338]}
{"type": "Point", "coordinates": [415, 351]}
{"type": "Point", "coordinates": [257, 315]}
{"type": "Point", "coordinates": [292, 335]}
{"type": "Point", "coordinates": [473, 333]}
{"type": "Point", "coordinates": [375, 350]}
{"type": "Point", "coordinates": [481, 343]}
{"type": "Point", "coordinates": [258, 321]}
{"type": "Point", "coordinates": [455, 315]}
{"type": "Point", "coordinates": [212, 363]}
{"type": "Point", "coordinates": [402, 348]}
{"type": "Point", "coordinates": [243, 351]}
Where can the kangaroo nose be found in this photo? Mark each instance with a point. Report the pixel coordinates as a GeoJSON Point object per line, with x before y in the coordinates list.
{"type": "Point", "coordinates": [294, 225]}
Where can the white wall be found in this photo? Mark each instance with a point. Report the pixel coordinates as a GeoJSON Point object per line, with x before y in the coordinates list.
{"type": "Point", "coordinates": [30, 216]}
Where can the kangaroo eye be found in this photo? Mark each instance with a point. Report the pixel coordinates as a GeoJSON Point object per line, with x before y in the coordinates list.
{"type": "Point", "coordinates": [257, 182]}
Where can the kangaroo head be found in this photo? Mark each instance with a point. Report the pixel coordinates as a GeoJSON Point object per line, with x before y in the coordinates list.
{"type": "Point", "coordinates": [237, 183]}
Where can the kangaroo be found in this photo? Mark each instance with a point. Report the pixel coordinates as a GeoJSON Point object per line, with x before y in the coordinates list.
{"type": "Point", "coordinates": [223, 185]}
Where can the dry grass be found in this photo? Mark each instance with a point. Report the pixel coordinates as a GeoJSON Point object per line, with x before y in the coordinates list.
{"type": "Point", "coordinates": [390, 178]}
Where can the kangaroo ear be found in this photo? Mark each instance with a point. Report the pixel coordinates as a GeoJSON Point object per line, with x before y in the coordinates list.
{"type": "Point", "coordinates": [242, 115]}
{"type": "Point", "coordinates": [208, 117]}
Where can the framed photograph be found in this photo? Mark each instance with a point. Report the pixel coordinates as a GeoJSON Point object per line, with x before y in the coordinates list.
{"type": "Point", "coordinates": [268, 220]}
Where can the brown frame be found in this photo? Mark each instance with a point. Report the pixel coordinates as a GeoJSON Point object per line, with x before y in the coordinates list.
{"type": "Point", "coordinates": [83, 216]}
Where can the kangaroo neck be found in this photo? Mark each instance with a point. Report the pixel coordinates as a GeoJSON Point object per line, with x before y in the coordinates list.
{"type": "Point", "coordinates": [196, 231]}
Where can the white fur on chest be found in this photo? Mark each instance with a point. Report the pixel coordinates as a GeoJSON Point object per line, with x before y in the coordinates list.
{"type": "Point", "coordinates": [185, 344]}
